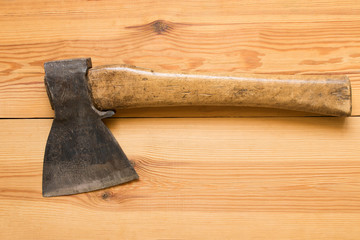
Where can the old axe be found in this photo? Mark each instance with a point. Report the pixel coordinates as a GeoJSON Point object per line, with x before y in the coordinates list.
{"type": "Point", "coordinates": [82, 155]}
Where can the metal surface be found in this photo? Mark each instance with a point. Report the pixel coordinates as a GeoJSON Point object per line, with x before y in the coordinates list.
{"type": "Point", "coordinates": [81, 154]}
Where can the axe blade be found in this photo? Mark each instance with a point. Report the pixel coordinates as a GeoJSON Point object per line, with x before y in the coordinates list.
{"type": "Point", "coordinates": [81, 154]}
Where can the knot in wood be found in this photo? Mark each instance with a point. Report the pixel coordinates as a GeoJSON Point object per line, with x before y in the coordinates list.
{"type": "Point", "coordinates": [160, 26]}
{"type": "Point", "coordinates": [105, 195]}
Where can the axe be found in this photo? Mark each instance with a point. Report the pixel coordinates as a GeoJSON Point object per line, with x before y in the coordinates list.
{"type": "Point", "coordinates": [82, 155]}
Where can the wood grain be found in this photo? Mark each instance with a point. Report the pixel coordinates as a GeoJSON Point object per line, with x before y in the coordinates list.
{"type": "Point", "coordinates": [240, 178]}
{"type": "Point", "coordinates": [289, 37]}
{"type": "Point", "coordinates": [259, 176]}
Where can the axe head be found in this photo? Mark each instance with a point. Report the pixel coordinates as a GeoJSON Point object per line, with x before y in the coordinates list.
{"type": "Point", "coordinates": [81, 154]}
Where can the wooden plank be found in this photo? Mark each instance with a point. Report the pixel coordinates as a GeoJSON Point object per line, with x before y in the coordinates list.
{"type": "Point", "coordinates": [266, 178]}
{"type": "Point", "coordinates": [199, 10]}
{"type": "Point", "coordinates": [228, 178]}
{"type": "Point", "coordinates": [289, 37]}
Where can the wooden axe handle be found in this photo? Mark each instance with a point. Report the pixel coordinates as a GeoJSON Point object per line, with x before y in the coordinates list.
{"type": "Point", "coordinates": [122, 86]}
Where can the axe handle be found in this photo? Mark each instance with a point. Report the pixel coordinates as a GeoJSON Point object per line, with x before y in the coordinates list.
{"type": "Point", "coordinates": [122, 86]}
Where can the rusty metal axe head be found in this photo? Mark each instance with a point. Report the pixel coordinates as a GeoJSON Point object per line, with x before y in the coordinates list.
{"type": "Point", "coordinates": [81, 154]}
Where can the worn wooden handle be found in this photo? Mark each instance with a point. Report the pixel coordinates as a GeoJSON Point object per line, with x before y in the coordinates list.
{"type": "Point", "coordinates": [122, 86]}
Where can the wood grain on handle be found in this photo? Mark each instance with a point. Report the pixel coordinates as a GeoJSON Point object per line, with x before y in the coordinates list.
{"type": "Point", "coordinates": [123, 86]}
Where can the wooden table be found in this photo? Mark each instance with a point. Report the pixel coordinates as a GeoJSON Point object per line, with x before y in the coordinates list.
{"type": "Point", "coordinates": [251, 174]}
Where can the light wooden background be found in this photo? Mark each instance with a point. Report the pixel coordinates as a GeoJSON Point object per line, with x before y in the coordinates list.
{"type": "Point", "coordinates": [239, 173]}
